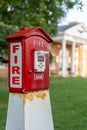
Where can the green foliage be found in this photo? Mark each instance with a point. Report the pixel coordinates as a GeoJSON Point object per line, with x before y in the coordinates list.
{"type": "Point", "coordinates": [29, 13]}
{"type": "Point", "coordinates": [5, 30]}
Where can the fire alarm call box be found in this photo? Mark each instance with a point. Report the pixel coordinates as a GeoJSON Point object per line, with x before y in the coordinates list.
{"type": "Point", "coordinates": [39, 61]}
{"type": "Point", "coordinates": [28, 54]}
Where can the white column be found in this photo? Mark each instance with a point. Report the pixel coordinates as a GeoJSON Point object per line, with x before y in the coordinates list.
{"type": "Point", "coordinates": [73, 59]}
{"type": "Point", "coordinates": [83, 61]}
{"type": "Point", "coordinates": [64, 58]}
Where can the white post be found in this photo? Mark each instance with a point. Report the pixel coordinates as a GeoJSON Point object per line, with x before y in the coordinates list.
{"type": "Point", "coordinates": [64, 58]}
{"type": "Point", "coordinates": [83, 61]}
{"type": "Point", "coordinates": [30, 111]}
{"type": "Point", "coordinates": [29, 100]}
{"type": "Point", "coordinates": [73, 59]}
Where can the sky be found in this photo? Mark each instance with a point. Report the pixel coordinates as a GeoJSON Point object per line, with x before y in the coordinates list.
{"type": "Point", "coordinates": [77, 15]}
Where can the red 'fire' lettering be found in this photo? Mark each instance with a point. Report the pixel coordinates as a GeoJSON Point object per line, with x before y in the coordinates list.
{"type": "Point", "coordinates": [15, 70]}
{"type": "Point", "coordinates": [15, 47]}
{"type": "Point", "coordinates": [15, 80]}
{"type": "Point", "coordinates": [15, 59]}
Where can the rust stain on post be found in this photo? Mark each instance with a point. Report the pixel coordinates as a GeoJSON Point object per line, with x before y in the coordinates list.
{"type": "Point", "coordinates": [31, 96]}
{"type": "Point", "coordinates": [28, 97]}
{"type": "Point", "coordinates": [40, 95]}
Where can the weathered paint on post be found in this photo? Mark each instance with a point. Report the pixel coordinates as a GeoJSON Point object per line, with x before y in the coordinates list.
{"type": "Point", "coordinates": [29, 111]}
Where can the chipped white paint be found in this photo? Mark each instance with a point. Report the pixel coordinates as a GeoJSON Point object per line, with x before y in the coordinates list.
{"type": "Point", "coordinates": [30, 111]}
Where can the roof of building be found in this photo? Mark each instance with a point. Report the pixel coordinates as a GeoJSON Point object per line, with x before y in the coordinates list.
{"type": "Point", "coordinates": [65, 27]}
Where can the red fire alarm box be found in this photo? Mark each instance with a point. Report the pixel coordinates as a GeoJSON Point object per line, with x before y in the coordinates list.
{"type": "Point", "coordinates": [28, 54]}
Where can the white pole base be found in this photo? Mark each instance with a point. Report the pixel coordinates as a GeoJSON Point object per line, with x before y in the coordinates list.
{"type": "Point", "coordinates": [30, 111]}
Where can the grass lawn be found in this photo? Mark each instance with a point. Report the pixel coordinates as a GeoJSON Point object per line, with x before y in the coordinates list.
{"type": "Point", "coordinates": [68, 100]}
{"type": "Point", "coordinates": [69, 103]}
{"type": "Point", "coordinates": [3, 103]}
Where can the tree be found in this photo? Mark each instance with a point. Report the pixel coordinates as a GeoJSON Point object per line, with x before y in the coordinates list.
{"type": "Point", "coordinates": [30, 13]}
{"type": "Point", "coordinates": [5, 30]}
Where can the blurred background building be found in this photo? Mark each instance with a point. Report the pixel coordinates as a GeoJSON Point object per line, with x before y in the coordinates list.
{"type": "Point", "coordinates": [69, 50]}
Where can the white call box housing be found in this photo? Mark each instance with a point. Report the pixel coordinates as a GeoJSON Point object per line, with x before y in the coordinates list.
{"type": "Point", "coordinates": [39, 61]}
